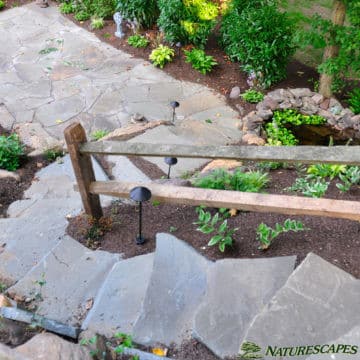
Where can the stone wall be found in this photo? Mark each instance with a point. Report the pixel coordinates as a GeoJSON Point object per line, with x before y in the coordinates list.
{"type": "Point", "coordinates": [342, 124]}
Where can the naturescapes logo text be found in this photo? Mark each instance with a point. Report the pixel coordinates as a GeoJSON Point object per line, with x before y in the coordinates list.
{"type": "Point", "coordinates": [250, 350]}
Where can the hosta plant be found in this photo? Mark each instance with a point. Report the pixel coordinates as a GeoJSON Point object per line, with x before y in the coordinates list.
{"type": "Point", "coordinates": [200, 61]}
{"type": "Point", "coordinates": [161, 55]}
{"type": "Point", "coordinates": [138, 41]}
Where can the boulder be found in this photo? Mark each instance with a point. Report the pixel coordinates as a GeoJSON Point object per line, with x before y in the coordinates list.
{"type": "Point", "coordinates": [235, 92]}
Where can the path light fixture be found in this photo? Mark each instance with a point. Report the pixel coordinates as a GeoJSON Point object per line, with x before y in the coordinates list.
{"type": "Point", "coordinates": [140, 194]}
{"type": "Point", "coordinates": [170, 161]}
{"type": "Point", "coordinates": [178, 46]}
{"type": "Point", "coordinates": [174, 105]}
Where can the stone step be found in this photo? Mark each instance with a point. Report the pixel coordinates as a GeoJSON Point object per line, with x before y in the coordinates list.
{"type": "Point", "coordinates": [177, 287]}
{"type": "Point", "coordinates": [71, 276]}
{"type": "Point", "coordinates": [347, 345]}
{"type": "Point", "coordinates": [25, 240]}
{"type": "Point", "coordinates": [237, 290]}
{"type": "Point", "coordinates": [119, 301]}
{"type": "Point", "coordinates": [318, 303]}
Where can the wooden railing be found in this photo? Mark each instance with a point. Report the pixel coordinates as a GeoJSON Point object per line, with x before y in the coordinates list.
{"type": "Point", "coordinates": [90, 189]}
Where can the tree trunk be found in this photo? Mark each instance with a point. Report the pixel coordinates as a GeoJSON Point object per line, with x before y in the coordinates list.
{"type": "Point", "coordinates": [331, 51]}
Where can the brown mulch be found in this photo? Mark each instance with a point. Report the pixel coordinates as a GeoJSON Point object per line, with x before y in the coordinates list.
{"type": "Point", "coordinates": [335, 240]}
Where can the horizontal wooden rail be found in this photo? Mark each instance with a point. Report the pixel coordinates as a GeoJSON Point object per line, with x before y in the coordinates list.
{"type": "Point", "coordinates": [283, 204]}
{"type": "Point", "coordinates": [305, 154]}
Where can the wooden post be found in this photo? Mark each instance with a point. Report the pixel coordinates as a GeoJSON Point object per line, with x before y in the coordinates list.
{"type": "Point", "coordinates": [74, 136]}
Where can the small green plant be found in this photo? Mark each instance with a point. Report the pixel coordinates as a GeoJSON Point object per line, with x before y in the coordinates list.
{"type": "Point", "coordinates": [97, 229]}
{"type": "Point", "coordinates": [325, 170]}
{"type": "Point", "coordinates": [217, 224]}
{"type": "Point", "coordinates": [107, 35]}
{"type": "Point", "coordinates": [10, 152]}
{"type": "Point", "coordinates": [125, 342]}
{"type": "Point", "coordinates": [252, 96]}
{"type": "Point", "coordinates": [53, 154]}
{"type": "Point", "coordinates": [200, 61]}
{"type": "Point", "coordinates": [82, 15]}
{"type": "Point", "coordinates": [161, 55]}
{"type": "Point", "coordinates": [66, 8]}
{"type": "Point", "coordinates": [278, 134]}
{"type": "Point", "coordinates": [311, 187]}
{"type": "Point", "coordinates": [156, 203]}
{"type": "Point", "coordinates": [99, 134]}
{"type": "Point", "coordinates": [251, 181]}
{"type": "Point", "coordinates": [208, 121]}
{"type": "Point", "coordinates": [97, 22]}
{"type": "Point", "coordinates": [265, 234]}
{"type": "Point", "coordinates": [3, 288]}
{"type": "Point", "coordinates": [94, 351]}
{"type": "Point", "coordinates": [138, 41]}
{"type": "Point", "coordinates": [40, 283]}
{"type": "Point", "coordinates": [2, 4]}
{"type": "Point", "coordinates": [350, 177]}
{"type": "Point", "coordinates": [47, 50]}
{"type": "Point", "coordinates": [271, 165]}
{"type": "Point", "coordinates": [173, 229]}
{"type": "Point", "coordinates": [354, 100]}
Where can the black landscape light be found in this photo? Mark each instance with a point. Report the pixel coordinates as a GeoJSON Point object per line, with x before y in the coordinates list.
{"type": "Point", "coordinates": [174, 105]}
{"type": "Point", "coordinates": [140, 194]}
{"type": "Point", "coordinates": [170, 161]}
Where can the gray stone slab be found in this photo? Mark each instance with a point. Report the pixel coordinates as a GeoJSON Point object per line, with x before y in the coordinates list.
{"type": "Point", "coordinates": [123, 292]}
{"type": "Point", "coordinates": [73, 276]}
{"type": "Point", "coordinates": [6, 119]}
{"type": "Point", "coordinates": [350, 339]}
{"type": "Point", "coordinates": [318, 303]}
{"type": "Point", "coordinates": [237, 291]}
{"type": "Point", "coordinates": [25, 241]}
{"type": "Point", "coordinates": [165, 135]}
{"type": "Point", "coordinates": [176, 289]}
{"type": "Point", "coordinates": [125, 170]}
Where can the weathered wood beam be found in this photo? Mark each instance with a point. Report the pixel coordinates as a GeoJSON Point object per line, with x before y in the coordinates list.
{"type": "Point", "coordinates": [74, 136]}
{"type": "Point", "coordinates": [304, 154]}
{"type": "Point", "coordinates": [289, 205]}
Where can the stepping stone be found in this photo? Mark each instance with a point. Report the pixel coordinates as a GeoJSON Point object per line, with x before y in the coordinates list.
{"type": "Point", "coordinates": [73, 275]}
{"type": "Point", "coordinates": [166, 135]}
{"type": "Point", "coordinates": [122, 293]}
{"type": "Point", "coordinates": [25, 241]}
{"type": "Point", "coordinates": [177, 287]}
{"type": "Point", "coordinates": [237, 291]}
{"type": "Point", "coordinates": [319, 303]}
{"type": "Point", "coordinates": [125, 170]}
{"type": "Point", "coordinates": [352, 338]}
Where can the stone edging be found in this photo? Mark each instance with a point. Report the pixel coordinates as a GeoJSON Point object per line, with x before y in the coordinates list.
{"type": "Point", "coordinates": [307, 102]}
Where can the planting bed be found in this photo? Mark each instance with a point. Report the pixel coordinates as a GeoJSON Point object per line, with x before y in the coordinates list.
{"type": "Point", "coordinates": [335, 240]}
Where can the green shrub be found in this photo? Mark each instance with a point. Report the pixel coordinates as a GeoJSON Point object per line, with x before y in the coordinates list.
{"type": "Point", "coordinates": [145, 12]}
{"type": "Point", "coordinates": [187, 21]}
{"type": "Point", "coordinates": [103, 8]}
{"type": "Point", "coordinates": [138, 41]}
{"type": "Point", "coordinates": [10, 152]}
{"type": "Point", "coordinates": [97, 22]}
{"type": "Point", "coordinates": [354, 100]}
{"type": "Point", "coordinates": [66, 8]}
{"type": "Point", "coordinates": [200, 61]}
{"type": "Point", "coordinates": [278, 134]}
{"type": "Point", "coordinates": [2, 4]}
{"type": "Point", "coordinates": [251, 181]}
{"type": "Point", "coordinates": [252, 96]}
{"type": "Point", "coordinates": [161, 55]}
{"type": "Point", "coordinates": [82, 15]}
{"type": "Point", "coordinates": [260, 38]}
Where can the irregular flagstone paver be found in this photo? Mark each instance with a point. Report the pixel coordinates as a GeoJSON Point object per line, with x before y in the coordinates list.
{"type": "Point", "coordinates": [26, 240]}
{"type": "Point", "coordinates": [73, 276]}
{"type": "Point", "coordinates": [176, 289]}
{"type": "Point", "coordinates": [319, 303]}
{"type": "Point", "coordinates": [350, 340]}
{"type": "Point", "coordinates": [123, 292]}
{"type": "Point", "coordinates": [237, 291]}
{"type": "Point", "coordinates": [47, 345]}
{"type": "Point", "coordinates": [6, 353]}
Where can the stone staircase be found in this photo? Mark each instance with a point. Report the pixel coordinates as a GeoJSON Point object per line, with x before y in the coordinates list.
{"type": "Point", "coordinates": [174, 294]}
